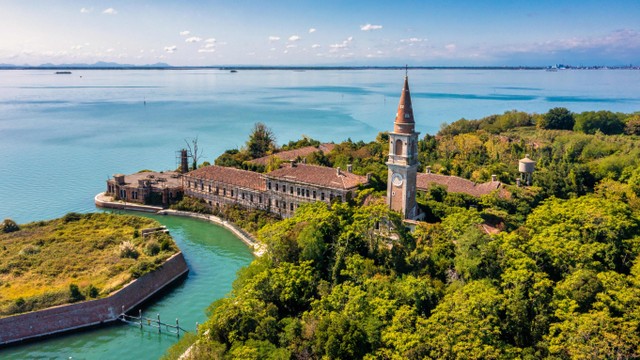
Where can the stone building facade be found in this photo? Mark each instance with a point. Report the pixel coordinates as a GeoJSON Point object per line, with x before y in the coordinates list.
{"type": "Point", "coordinates": [148, 187]}
{"type": "Point", "coordinates": [281, 191]}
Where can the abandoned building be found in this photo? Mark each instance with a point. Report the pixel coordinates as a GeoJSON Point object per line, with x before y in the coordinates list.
{"type": "Point", "coordinates": [147, 187]}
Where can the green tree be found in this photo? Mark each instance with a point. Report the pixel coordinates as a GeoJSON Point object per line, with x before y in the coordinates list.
{"type": "Point", "coordinates": [8, 226]}
{"type": "Point", "coordinates": [557, 118]}
{"type": "Point", "coordinates": [607, 122]}
{"type": "Point", "coordinates": [261, 141]}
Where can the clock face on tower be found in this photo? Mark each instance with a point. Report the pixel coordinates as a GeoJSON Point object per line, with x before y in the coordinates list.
{"type": "Point", "coordinates": [397, 179]}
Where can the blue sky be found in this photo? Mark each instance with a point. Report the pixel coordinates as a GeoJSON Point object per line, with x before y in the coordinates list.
{"type": "Point", "coordinates": [327, 32]}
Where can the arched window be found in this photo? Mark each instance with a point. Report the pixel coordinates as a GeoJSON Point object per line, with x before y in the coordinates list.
{"type": "Point", "coordinates": [398, 151]}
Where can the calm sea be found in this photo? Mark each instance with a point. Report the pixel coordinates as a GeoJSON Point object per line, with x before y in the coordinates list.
{"type": "Point", "coordinates": [62, 136]}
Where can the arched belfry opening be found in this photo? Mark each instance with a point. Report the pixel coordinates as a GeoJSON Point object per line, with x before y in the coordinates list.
{"type": "Point", "coordinates": [398, 150]}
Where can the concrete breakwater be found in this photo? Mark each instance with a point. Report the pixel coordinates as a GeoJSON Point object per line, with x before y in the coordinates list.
{"type": "Point", "coordinates": [94, 312]}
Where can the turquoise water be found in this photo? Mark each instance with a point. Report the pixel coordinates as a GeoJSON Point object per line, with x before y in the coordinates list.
{"type": "Point", "coordinates": [62, 136]}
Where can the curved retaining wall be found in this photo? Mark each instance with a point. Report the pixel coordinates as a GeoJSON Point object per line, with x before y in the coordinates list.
{"type": "Point", "coordinates": [88, 313]}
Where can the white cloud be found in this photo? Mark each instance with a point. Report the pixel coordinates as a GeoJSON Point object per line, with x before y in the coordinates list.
{"type": "Point", "coordinates": [110, 11]}
{"type": "Point", "coordinates": [274, 38]}
{"type": "Point", "coordinates": [340, 46]}
{"type": "Point", "coordinates": [450, 47]}
{"type": "Point", "coordinates": [204, 50]}
{"type": "Point", "coordinates": [312, 30]}
{"type": "Point", "coordinates": [294, 38]}
{"type": "Point", "coordinates": [315, 46]}
{"type": "Point", "coordinates": [412, 40]}
{"type": "Point", "coordinates": [185, 33]}
{"type": "Point", "coordinates": [209, 46]}
{"type": "Point", "coordinates": [285, 52]}
{"type": "Point", "coordinates": [193, 39]}
{"type": "Point", "coordinates": [110, 50]}
{"type": "Point", "coordinates": [77, 47]}
{"type": "Point", "coordinates": [85, 10]}
{"type": "Point", "coordinates": [369, 27]}
{"type": "Point", "coordinates": [210, 40]}
{"type": "Point", "coordinates": [290, 46]}
{"type": "Point", "coordinates": [170, 49]}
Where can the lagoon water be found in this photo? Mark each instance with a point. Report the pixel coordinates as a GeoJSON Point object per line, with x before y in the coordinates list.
{"type": "Point", "coordinates": [62, 136]}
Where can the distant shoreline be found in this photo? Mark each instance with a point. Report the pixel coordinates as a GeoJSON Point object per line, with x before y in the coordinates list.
{"type": "Point", "coordinates": [311, 68]}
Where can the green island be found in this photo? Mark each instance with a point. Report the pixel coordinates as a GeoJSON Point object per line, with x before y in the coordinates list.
{"type": "Point", "coordinates": [74, 258]}
{"type": "Point", "coordinates": [549, 270]}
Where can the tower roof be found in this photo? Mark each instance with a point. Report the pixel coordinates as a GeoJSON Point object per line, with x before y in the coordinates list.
{"type": "Point", "coordinates": [404, 122]}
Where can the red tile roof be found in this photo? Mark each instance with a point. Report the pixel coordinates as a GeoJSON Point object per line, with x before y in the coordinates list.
{"type": "Point", "coordinates": [456, 184]}
{"type": "Point", "coordinates": [318, 175]}
{"type": "Point", "coordinates": [232, 176]}
{"type": "Point", "coordinates": [293, 154]}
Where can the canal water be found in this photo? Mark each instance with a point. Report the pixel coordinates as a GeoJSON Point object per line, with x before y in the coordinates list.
{"type": "Point", "coordinates": [63, 136]}
{"type": "Point", "coordinates": [213, 255]}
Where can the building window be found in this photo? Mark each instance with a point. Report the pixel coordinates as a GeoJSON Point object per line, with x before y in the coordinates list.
{"type": "Point", "coordinates": [209, 188]}
{"type": "Point", "coordinates": [291, 207]}
{"type": "Point", "coordinates": [276, 187]}
{"type": "Point", "coordinates": [298, 191]}
{"type": "Point", "coordinates": [224, 192]}
{"type": "Point", "coordinates": [307, 192]}
{"type": "Point", "coordinates": [330, 197]}
{"type": "Point", "coordinates": [322, 196]}
{"type": "Point", "coordinates": [123, 193]}
{"type": "Point", "coordinates": [314, 194]}
{"type": "Point", "coordinates": [217, 190]}
{"type": "Point", "coordinates": [134, 195]}
{"type": "Point", "coordinates": [260, 199]}
{"type": "Point", "coordinates": [398, 150]}
{"type": "Point", "coordinates": [284, 188]}
{"type": "Point", "coordinates": [231, 192]}
{"type": "Point", "coordinates": [269, 185]}
{"type": "Point", "coordinates": [251, 197]}
{"type": "Point", "coordinates": [201, 185]}
{"type": "Point", "coordinates": [291, 190]}
{"type": "Point", "coordinates": [242, 196]}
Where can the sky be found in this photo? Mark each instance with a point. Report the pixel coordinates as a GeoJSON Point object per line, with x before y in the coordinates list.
{"type": "Point", "coordinates": [325, 32]}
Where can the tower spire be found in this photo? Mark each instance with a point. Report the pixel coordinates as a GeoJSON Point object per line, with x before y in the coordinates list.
{"type": "Point", "coordinates": [404, 122]}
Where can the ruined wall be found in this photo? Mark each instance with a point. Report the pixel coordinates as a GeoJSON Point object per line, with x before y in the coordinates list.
{"type": "Point", "coordinates": [73, 316]}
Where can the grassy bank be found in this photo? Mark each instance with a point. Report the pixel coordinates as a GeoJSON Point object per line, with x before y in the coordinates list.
{"type": "Point", "coordinates": [74, 258]}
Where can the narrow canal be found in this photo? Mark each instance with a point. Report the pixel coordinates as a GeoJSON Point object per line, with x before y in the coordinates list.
{"type": "Point", "coordinates": [213, 254]}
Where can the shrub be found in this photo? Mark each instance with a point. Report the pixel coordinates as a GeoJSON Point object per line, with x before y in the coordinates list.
{"type": "Point", "coordinates": [74, 293]}
{"type": "Point", "coordinates": [30, 250]}
{"type": "Point", "coordinates": [72, 216]}
{"type": "Point", "coordinates": [128, 250]}
{"type": "Point", "coordinates": [152, 248]}
{"type": "Point", "coordinates": [91, 291]}
{"type": "Point", "coordinates": [9, 225]}
{"type": "Point", "coordinates": [557, 118]}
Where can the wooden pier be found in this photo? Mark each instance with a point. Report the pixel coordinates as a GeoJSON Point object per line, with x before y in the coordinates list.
{"type": "Point", "coordinates": [142, 321]}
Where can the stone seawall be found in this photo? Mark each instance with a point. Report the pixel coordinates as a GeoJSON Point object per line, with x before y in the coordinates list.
{"type": "Point", "coordinates": [94, 312]}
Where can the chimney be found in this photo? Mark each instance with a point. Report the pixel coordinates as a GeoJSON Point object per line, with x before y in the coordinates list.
{"type": "Point", "coordinates": [184, 161]}
{"type": "Point", "coordinates": [304, 160]}
{"type": "Point", "coordinates": [494, 178]}
{"type": "Point", "coordinates": [349, 168]}
{"type": "Point", "coordinates": [518, 182]}
{"type": "Point", "coordinates": [368, 177]}
{"type": "Point", "coordinates": [293, 163]}
{"type": "Point", "coordinates": [338, 172]}
{"type": "Point", "coordinates": [427, 170]}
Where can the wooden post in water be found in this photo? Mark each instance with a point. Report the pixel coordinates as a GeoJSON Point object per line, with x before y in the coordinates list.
{"type": "Point", "coordinates": [140, 317]}
{"type": "Point", "coordinates": [177, 328]}
{"type": "Point", "coordinates": [159, 330]}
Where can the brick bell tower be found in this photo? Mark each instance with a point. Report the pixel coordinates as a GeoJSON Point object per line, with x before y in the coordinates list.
{"type": "Point", "coordinates": [403, 159]}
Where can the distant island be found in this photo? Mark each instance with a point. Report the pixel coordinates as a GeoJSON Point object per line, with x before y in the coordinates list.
{"type": "Point", "coordinates": [101, 65]}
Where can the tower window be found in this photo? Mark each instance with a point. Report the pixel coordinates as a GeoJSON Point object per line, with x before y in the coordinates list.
{"type": "Point", "coordinates": [398, 151]}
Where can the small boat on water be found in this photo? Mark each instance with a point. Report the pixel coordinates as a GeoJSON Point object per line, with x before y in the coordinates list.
{"type": "Point", "coordinates": [63, 72]}
{"type": "Point", "coordinates": [234, 71]}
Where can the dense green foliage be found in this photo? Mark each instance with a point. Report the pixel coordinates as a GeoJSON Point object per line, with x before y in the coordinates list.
{"type": "Point", "coordinates": [557, 118]}
{"type": "Point", "coordinates": [37, 271]}
{"type": "Point", "coordinates": [547, 271]}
